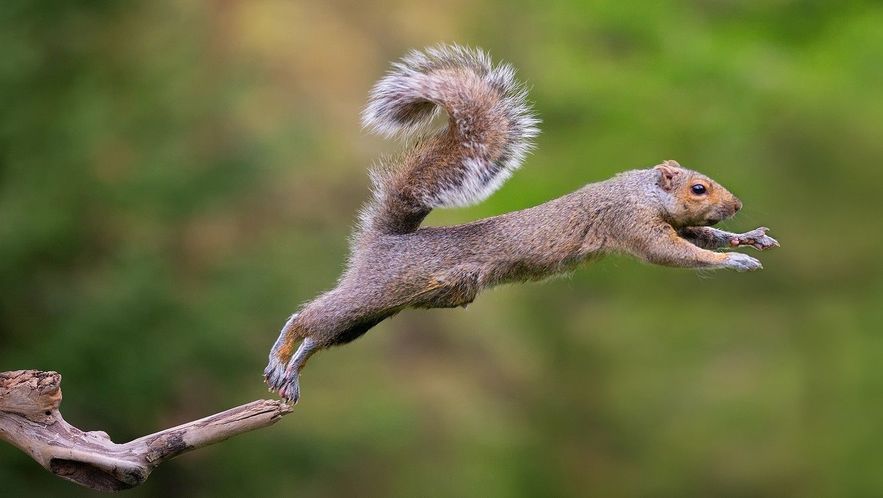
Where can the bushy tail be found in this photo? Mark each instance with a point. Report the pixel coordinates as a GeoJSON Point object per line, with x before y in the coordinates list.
{"type": "Point", "coordinates": [489, 132]}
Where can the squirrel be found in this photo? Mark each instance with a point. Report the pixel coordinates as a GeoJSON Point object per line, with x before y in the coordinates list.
{"type": "Point", "coordinates": [661, 214]}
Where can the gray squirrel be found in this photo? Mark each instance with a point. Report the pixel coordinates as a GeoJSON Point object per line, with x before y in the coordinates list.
{"type": "Point", "coordinates": [660, 215]}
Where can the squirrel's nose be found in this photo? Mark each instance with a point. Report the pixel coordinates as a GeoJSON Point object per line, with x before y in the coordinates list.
{"type": "Point", "coordinates": [738, 205]}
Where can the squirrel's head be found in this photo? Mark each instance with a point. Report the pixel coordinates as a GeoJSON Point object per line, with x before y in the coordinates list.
{"type": "Point", "coordinates": [692, 198]}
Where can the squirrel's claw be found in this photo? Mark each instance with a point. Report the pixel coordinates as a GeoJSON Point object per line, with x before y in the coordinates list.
{"type": "Point", "coordinates": [290, 391]}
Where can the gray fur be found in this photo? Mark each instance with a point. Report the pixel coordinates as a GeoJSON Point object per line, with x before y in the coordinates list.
{"type": "Point", "coordinates": [648, 213]}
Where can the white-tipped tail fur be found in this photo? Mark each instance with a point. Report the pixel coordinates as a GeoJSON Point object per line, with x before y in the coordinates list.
{"type": "Point", "coordinates": [488, 135]}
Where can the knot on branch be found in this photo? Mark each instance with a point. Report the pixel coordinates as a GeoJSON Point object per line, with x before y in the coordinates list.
{"type": "Point", "coordinates": [31, 393]}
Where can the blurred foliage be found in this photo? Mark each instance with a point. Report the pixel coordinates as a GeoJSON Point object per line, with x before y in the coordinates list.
{"type": "Point", "coordinates": [175, 177]}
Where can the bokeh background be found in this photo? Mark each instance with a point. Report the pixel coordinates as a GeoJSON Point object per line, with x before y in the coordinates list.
{"type": "Point", "coordinates": [177, 176]}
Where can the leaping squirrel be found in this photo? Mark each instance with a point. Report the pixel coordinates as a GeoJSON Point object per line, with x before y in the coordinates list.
{"type": "Point", "coordinates": [661, 214]}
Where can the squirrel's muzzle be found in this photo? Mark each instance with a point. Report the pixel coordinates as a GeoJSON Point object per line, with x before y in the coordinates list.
{"type": "Point", "coordinates": [724, 211]}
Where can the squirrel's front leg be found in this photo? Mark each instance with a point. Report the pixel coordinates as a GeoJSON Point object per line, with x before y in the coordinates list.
{"type": "Point", "coordinates": [712, 238]}
{"type": "Point", "coordinates": [667, 248]}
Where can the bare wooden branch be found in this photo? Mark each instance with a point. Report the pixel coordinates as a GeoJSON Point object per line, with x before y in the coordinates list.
{"type": "Point", "coordinates": [30, 420]}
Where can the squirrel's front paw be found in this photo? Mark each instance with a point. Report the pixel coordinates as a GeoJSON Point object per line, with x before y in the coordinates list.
{"type": "Point", "coordinates": [756, 238]}
{"type": "Point", "coordinates": [742, 262]}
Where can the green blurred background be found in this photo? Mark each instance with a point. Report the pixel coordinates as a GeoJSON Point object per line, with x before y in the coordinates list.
{"type": "Point", "coordinates": [177, 176]}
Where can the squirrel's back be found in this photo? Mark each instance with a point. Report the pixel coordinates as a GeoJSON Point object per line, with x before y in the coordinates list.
{"type": "Point", "coordinates": [489, 131]}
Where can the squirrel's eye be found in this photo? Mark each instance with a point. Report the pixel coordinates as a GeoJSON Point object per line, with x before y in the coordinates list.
{"type": "Point", "coordinates": [698, 189]}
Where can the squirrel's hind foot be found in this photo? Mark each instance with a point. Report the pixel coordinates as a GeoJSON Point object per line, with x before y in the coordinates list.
{"type": "Point", "coordinates": [274, 374]}
{"type": "Point", "coordinates": [283, 381]}
{"type": "Point", "coordinates": [284, 378]}
{"type": "Point", "coordinates": [290, 388]}
{"type": "Point", "coordinates": [277, 375]}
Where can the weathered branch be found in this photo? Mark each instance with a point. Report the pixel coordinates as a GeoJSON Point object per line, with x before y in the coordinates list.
{"type": "Point", "coordinates": [30, 420]}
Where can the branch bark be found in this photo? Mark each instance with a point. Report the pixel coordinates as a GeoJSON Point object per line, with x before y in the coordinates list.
{"type": "Point", "coordinates": [30, 420]}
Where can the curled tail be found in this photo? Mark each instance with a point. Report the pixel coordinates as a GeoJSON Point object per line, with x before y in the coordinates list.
{"type": "Point", "coordinates": [489, 131]}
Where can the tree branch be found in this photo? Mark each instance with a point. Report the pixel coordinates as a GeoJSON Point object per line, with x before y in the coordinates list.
{"type": "Point", "coordinates": [30, 420]}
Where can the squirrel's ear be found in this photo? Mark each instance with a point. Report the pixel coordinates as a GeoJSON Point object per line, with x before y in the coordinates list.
{"type": "Point", "coordinates": [667, 171]}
